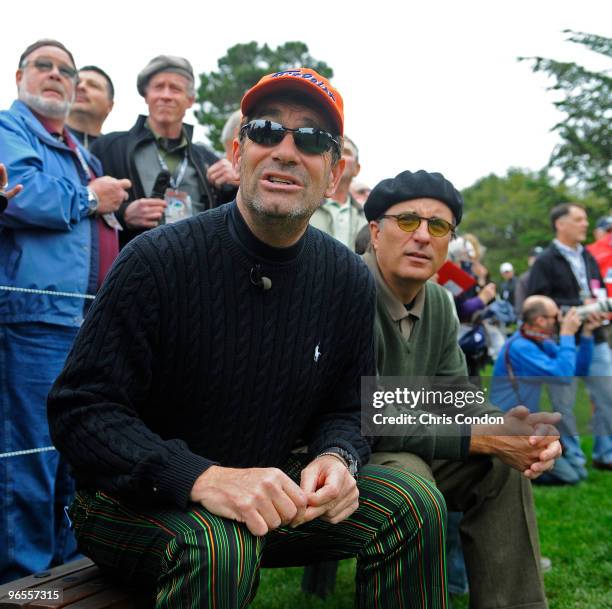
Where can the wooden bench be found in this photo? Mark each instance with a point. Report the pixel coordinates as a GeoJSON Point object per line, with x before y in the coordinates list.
{"type": "Point", "coordinates": [82, 585]}
{"type": "Point", "coordinates": [76, 585]}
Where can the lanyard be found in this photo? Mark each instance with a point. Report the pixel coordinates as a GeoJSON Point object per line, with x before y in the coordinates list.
{"type": "Point", "coordinates": [109, 218]}
{"type": "Point", "coordinates": [176, 179]}
{"type": "Point", "coordinates": [89, 174]}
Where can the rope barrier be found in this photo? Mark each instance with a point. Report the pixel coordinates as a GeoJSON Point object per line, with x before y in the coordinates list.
{"type": "Point", "coordinates": [31, 451]}
{"type": "Point", "coordinates": [10, 288]}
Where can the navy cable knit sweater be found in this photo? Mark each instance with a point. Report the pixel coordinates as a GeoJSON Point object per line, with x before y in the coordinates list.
{"type": "Point", "coordinates": [183, 362]}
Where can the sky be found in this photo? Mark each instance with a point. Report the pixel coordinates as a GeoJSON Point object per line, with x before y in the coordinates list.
{"type": "Point", "coordinates": [426, 85]}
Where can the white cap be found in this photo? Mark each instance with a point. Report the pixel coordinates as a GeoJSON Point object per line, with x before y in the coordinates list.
{"type": "Point", "coordinates": [505, 267]}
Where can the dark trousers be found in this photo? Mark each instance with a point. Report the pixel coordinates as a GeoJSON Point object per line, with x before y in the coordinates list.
{"type": "Point", "coordinates": [498, 531]}
{"type": "Point", "coordinates": [193, 558]}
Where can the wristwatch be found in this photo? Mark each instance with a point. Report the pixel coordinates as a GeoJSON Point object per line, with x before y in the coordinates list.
{"type": "Point", "coordinates": [351, 463]}
{"type": "Point", "coordinates": [92, 202]}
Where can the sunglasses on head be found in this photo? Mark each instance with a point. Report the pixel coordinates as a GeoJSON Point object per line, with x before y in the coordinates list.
{"type": "Point", "coordinates": [307, 139]}
{"type": "Point", "coordinates": [409, 222]}
{"type": "Point", "coordinates": [46, 65]}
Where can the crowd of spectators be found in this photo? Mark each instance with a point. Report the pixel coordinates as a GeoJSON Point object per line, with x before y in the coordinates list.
{"type": "Point", "coordinates": [203, 324]}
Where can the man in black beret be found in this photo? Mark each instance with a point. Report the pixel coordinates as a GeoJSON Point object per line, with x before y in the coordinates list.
{"type": "Point", "coordinates": [161, 142]}
{"type": "Point", "coordinates": [483, 470]}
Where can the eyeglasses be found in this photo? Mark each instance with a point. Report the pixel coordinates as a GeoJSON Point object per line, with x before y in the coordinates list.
{"type": "Point", "coordinates": [307, 139]}
{"type": "Point", "coordinates": [437, 227]}
{"type": "Point", "coordinates": [46, 65]}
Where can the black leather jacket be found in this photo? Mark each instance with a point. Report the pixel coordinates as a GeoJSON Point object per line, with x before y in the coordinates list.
{"type": "Point", "coordinates": [551, 275]}
{"type": "Point", "coordinates": [116, 152]}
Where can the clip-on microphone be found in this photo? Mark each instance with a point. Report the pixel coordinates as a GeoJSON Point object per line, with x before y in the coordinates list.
{"type": "Point", "coordinates": [259, 280]}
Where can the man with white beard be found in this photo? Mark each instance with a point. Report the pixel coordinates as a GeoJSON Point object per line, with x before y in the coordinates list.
{"type": "Point", "coordinates": [51, 245]}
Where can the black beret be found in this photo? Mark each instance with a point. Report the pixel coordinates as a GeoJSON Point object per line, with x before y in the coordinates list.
{"type": "Point", "coordinates": [408, 185]}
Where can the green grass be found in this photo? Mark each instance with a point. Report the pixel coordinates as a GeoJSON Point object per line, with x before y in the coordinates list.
{"type": "Point", "coordinates": [575, 533]}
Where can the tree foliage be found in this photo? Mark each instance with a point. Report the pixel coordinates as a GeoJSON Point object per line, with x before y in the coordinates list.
{"type": "Point", "coordinates": [585, 151]}
{"type": "Point", "coordinates": [509, 214]}
{"type": "Point", "coordinates": [239, 69]}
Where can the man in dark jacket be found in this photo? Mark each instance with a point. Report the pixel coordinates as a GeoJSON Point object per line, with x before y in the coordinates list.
{"type": "Point", "coordinates": [568, 273]}
{"type": "Point", "coordinates": [522, 283]}
{"type": "Point", "coordinates": [162, 142]}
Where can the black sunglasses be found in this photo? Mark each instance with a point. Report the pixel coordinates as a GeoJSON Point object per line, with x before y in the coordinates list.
{"type": "Point", "coordinates": [437, 227]}
{"type": "Point", "coordinates": [307, 139]}
{"type": "Point", "coordinates": [46, 65]}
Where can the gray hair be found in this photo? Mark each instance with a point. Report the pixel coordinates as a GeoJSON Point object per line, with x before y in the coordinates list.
{"type": "Point", "coordinates": [231, 126]}
{"type": "Point", "coordinates": [351, 143]}
{"type": "Point", "coordinates": [49, 108]}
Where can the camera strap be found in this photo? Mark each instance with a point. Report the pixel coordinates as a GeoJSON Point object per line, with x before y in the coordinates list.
{"type": "Point", "coordinates": [508, 362]}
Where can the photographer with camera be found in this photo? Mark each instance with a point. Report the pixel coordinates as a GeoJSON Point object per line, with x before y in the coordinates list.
{"type": "Point", "coordinates": [566, 272]}
{"type": "Point", "coordinates": [531, 358]}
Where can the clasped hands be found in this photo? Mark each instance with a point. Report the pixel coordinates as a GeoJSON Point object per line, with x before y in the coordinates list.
{"type": "Point", "coordinates": [527, 441]}
{"type": "Point", "coordinates": [266, 498]}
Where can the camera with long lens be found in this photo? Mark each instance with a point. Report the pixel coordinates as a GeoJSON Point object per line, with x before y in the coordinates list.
{"type": "Point", "coordinates": [601, 306]}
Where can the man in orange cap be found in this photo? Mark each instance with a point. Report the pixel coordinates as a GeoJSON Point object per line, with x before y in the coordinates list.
{"type": "Point", "coordinates": [217, 346]}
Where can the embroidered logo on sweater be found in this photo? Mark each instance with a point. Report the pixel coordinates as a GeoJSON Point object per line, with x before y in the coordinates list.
{"type": "Point", "coordinates": [317, 353]}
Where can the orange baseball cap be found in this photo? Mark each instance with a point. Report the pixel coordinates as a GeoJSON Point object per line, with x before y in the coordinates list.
{"type": "Point", "coordinates": [305, 80]}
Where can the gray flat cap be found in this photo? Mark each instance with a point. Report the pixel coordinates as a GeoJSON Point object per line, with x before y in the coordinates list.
{"type": "Point", "coordinates": [164, 63]}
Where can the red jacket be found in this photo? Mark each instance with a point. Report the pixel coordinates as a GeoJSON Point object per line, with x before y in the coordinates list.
{"type": "Point", "coordinates": [601, 250]}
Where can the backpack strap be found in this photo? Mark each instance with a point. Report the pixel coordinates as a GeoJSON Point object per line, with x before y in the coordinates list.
{"type": "Point", "coordinates": [508, 362]}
